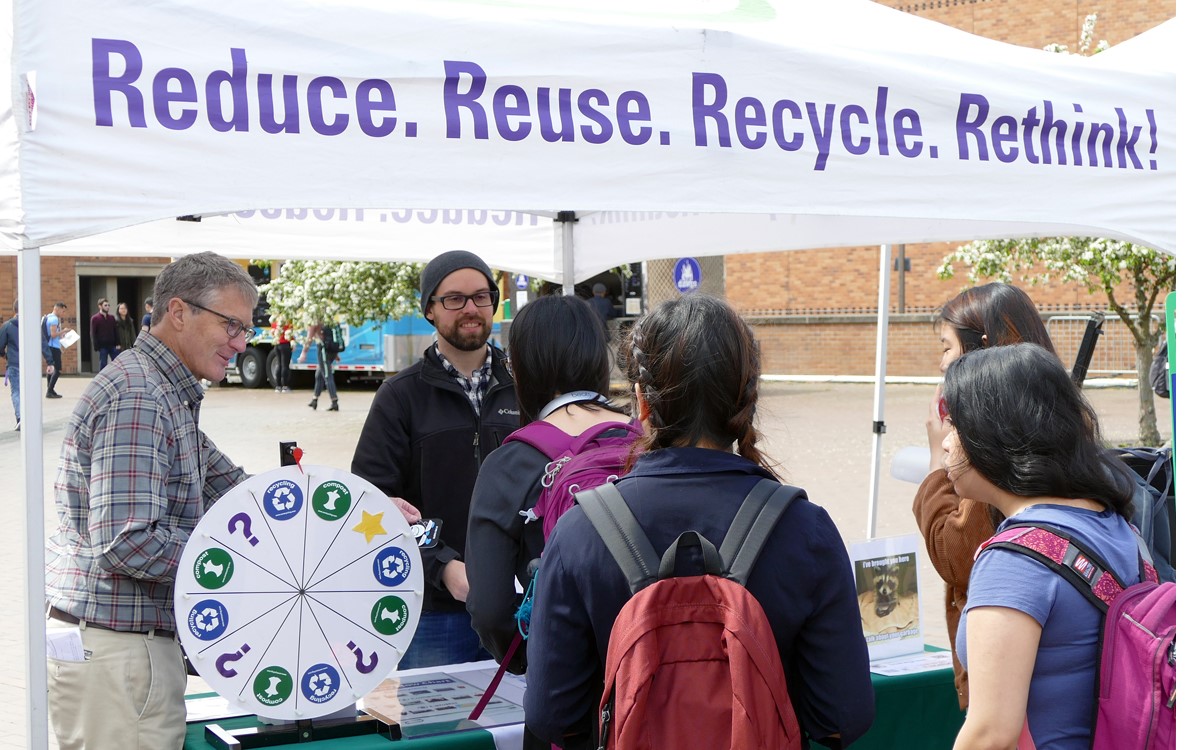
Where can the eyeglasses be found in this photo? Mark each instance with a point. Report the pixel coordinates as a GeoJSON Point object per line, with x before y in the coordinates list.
{"type": "Point", "coordinates": [234, 327]}
{"type": "Point", "coordinates": [459, 301]}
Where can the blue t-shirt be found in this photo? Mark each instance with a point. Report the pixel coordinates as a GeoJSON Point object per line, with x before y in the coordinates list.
{"type": "Point", "coordinates": [51, 320]}
{"type": "Point", "coordinates": [1061, 708]}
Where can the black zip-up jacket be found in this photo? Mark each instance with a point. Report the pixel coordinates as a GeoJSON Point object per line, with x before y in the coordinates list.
{"type": "Point", "coordinates": [422, 442]}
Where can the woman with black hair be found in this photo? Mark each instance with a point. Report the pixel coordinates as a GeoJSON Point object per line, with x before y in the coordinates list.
{"type": "Point", "coordinates": [952, 525]}
{"type": "Point", "coordinates": [559, 361]}
{"type": "Point", "coordinates": [1026, 442]}
{"type": "Point", "coordinates": [695, 367]}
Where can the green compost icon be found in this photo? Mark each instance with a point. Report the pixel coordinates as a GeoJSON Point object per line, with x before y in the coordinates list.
{"type": "Point", "coordinates": [272, 686]}
{"type": "Point", "coordinates": [390, 615]}
{"type": "Point", "coordinates": [213, 568]}
{"type": "Point", "coordinates": [331, 500]}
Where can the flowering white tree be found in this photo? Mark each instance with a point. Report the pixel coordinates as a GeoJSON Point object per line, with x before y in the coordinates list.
{"type": "Point", "coordinates": [310, 291]}
{"type": "Point", "coordinates": [1099, 265]}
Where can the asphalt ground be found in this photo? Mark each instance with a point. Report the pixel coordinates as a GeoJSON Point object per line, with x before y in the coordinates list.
{"type": "Point", "coordinates": [819, 434]}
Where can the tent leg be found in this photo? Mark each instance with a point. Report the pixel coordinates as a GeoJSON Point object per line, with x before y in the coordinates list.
{"type": "Point", "coordinates": [32, 366]}
{"type": "Point", "coordinates": [878, 398]}
{"type": "Point", "coordinates": [567, 219]}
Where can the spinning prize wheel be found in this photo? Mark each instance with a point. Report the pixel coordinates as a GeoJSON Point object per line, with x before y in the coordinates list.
{"type": "Point", "coordinates": [298, 592]}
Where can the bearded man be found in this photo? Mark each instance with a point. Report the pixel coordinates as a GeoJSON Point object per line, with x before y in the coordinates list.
{"type": "Point", "coordinates": [430, 427]}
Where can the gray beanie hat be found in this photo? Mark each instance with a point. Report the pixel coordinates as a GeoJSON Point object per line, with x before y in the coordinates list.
{"type": "Point", "coordinates": [446, 264]}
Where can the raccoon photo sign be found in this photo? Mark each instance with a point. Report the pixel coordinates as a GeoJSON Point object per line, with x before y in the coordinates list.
{"type": "Point", "coordinates": [886, 579]}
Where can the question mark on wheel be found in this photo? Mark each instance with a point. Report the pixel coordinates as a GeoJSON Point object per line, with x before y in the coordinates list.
{"type": "Point", "coordinates": [222, 661]}
{"type": "Point", "coordinates": [246, 520]}
{"type": "Point", "coordinates": [359, 658]}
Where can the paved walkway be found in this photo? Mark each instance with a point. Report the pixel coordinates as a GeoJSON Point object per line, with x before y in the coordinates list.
{"type": "Point", "coordinates": [818, 433]}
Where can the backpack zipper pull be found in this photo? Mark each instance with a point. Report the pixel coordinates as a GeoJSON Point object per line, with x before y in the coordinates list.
{"type": "Point", "coordinates": [551, 471]}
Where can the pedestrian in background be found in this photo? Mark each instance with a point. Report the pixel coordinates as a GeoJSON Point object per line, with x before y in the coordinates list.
{"type": "Point", "coordinates": [147, 320]}
{"type": "Point", "coordinates": [103, 333]}
{"type": "Point", "coordinates": [283, 339]}
{"type": "Point", "coordinates": [54, 327]}
{"type": "Point", "coordinates": [126, 328]}
{"type": "Point", "coordinates": [10, 349]}
{"type": "Point", "coordinates": [324, 375]}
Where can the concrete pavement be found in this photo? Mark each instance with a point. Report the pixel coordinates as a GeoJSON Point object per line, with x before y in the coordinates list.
{"type": "Point", "coordinates": [819, 434]}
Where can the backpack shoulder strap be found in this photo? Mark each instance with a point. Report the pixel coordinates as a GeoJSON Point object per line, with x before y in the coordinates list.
{"type": "Point", "coordinates": [543, 436]}
{"type": "Point", "coordinates": [579, 442]}
{"type": "Point", "coordinates": [1068, 557]}
{"type": "Point", "coordinates": [751, 528]}
{"type": "Point", "coordinates": [620, 531]}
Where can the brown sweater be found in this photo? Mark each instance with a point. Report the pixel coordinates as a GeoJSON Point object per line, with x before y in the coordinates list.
{"type": "Point", "coordinates": [953, 528]}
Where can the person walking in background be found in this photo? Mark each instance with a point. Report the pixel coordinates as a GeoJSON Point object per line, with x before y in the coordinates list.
{"type": "Point", "coordinates": [599, 301]}
{"type": "Point", "coordinates": [953, 527]}
{"type": "Point", "coordinates": [103, 334]}
{"type": "Point", "coordinates": [324, 375]}
{"type": "Point", "coordinates": [126, 328]}
{"type": "Point", "coordinates": [136, 473]}
{"type": "Point", "coordinates": [283, 339]}
{"type": "Point", "coordinates": [429, 428]}
{"type": "Point", "coordinates": [54, 327]}
{"type": "Point", "coordinates": [10, 349]}
{"type": "Point", "coordinates": [147, 320]}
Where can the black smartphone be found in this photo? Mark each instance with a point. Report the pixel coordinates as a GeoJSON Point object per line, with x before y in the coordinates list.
{"type": "Point", "coordinates": [426, 531]}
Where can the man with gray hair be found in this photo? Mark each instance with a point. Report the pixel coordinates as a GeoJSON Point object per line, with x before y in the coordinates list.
{"type": "Point", "coordinates": [136, 473]}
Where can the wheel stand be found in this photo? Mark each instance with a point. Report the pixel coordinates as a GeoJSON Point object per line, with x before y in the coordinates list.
{"type": "Point", "coordinates": [306, 730]}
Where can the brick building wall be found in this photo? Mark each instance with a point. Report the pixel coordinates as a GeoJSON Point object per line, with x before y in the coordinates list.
{"type": "Point", "coordinates": [60, 281]}
{"type": "Point", "coordinates": [809, 302]}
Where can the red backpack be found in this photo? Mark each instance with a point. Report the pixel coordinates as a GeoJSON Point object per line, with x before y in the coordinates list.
{"type": "Point", "coordinates": [1136, 682]}
{"type": "Point", "coordinates": [692, 661]}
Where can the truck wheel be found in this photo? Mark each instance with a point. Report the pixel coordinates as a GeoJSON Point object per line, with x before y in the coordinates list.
{"type": "Point", "coordinates": [252, 368]}
{"type": "Point", "coordinates": [273, 367]}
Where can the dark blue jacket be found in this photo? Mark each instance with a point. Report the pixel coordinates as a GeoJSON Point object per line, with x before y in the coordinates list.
{"type": "Point", "coordinates": [10, 345]}
{"type": "Point", "coordinates": [803, 580]}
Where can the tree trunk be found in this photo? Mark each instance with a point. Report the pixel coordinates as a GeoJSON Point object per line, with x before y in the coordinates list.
{"type": "Point", "coordinates": [1149, 436]}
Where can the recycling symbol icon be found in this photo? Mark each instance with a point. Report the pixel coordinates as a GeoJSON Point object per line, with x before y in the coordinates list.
{"type": "Point", "coordinates": [391, 566]}
{"type": "Point", "coordinates": [320, 684]}
{"type": "Point", "coordinates": [207, 619]}
{"type": "Point", "coordinates": [282, 499]}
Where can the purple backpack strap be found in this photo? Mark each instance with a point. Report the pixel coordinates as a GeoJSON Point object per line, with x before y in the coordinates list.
{"type": "Point", "coordinates": [543, 436]}
{"type": "Point", "coordinates": [1071, 559]}
{"type": "Point", "coordinates": [579, 442]}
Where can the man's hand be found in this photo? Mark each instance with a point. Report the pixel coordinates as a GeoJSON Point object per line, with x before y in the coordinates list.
{"type": "Point", "coordinates": [455, 579]}
{"type": "Point", "coordinates": [49, 369]}
{"type": "Point", "coordinates": [407, 509]}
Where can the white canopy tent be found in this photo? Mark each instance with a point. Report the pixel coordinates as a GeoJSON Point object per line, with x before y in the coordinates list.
{"type": "Point", "coordinates": [668, 128]}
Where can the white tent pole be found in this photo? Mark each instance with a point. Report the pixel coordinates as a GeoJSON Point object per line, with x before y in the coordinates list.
{"type": "Point", "coordinates": [567, 219]}
{"type": "Point", "coordinates": [881, 371]}
{"type": "Point", "coordinates": [32, 366]}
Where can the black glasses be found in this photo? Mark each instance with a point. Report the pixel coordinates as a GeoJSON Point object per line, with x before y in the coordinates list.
{"type": "Point", "coordinates": [459, 301]}
{"type": "Point", "coordinates": [234, 327]}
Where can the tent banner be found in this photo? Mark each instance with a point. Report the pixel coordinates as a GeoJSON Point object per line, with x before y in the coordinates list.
{"type": "Point", "coordinates": [129, 112]}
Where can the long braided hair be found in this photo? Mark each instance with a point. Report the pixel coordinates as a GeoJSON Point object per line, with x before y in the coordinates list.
{"type": "Point", "coordinates": [698, 367]}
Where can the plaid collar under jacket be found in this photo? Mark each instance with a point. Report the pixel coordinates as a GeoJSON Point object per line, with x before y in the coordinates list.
{"type": "Point", "coordinates": [135, 476]}
{"type": "Point", "coordinates": [476, 386]}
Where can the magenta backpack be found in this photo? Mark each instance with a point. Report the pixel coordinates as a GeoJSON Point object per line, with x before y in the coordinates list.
{"type": "Point", "coordinates": [576, 463]}
{"type": "Point", "coordinates": [1137, 680]}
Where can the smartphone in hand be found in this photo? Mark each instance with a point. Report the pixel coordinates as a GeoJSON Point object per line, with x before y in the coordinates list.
{"type": "Point", "coordinates": [426, 532]}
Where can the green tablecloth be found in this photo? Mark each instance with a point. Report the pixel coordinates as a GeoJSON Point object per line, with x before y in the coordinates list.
{"type": "Point", "coordinates": [476, 740]}
{"type": "Point", "coordinates": [913, 712]}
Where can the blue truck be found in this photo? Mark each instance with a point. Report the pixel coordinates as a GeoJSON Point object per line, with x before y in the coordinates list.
{"type": "Point", "coordinates": [373, 351]}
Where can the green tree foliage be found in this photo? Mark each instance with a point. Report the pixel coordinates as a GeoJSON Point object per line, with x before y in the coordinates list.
{"type": "Point", "coordinates": [305, 292]}
{"type": "Point", "coordinates": [1099, 265]}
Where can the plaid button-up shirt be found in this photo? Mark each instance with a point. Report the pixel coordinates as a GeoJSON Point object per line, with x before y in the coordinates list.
{"type": "Point", "coordinates": [475, 386]}
{"type": "Point", "coordinates": [135, 476]}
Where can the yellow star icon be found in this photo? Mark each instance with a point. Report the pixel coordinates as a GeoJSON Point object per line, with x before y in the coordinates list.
{"type": "Point", "coordinates": [370, 525]}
